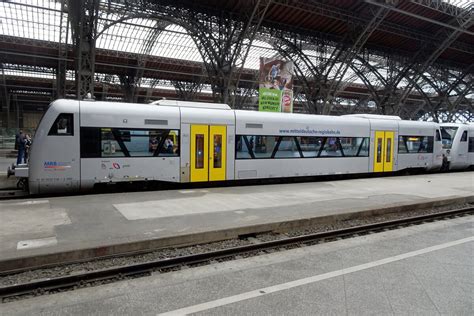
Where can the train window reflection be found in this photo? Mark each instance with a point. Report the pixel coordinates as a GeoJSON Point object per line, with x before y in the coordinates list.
{"type": "Point", "coordinates": [364, 147]}
{"type": "Point", "coordinates": [287, 148]}
{"type": "Point", "coordinates": [262, 146]}
{"type": "Point", "coordinates": [354, 146]}
{"type": "Point", "coordinates": [415, 144]}
{"type": "Point", "coordinates": [310, 146]}
{"type": "Point", "coordinates": [242, 151]}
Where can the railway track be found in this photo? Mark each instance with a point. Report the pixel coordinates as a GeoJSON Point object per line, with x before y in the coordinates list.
{"type": "Point", "coordinates": [10, 194]}
{"type": "Point", "coordinates": [64, 283]}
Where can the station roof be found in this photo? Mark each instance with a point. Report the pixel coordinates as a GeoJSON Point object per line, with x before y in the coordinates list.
{"type": "Point", "coordinates": [400, 31]}
{"type": "Point", "coordinates": [31, 37]}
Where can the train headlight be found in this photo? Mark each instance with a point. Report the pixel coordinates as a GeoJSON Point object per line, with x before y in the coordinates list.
{"type": "Point", "coordinates": [448, 151]}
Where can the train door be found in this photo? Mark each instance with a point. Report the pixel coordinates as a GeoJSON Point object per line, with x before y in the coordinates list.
{"type": "Point", "coordinates": [383, 155]}
{"type": "Point", "coordinates": [208, 148]}
{"type": "Point", "coordinates": [462, 154]}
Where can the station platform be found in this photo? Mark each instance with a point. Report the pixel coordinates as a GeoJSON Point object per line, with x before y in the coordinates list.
{"type": "Point", "coordinates": [59, 229]}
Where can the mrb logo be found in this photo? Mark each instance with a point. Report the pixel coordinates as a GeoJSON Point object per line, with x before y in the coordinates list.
{"type": "Point", "coordinates": [56, 165]}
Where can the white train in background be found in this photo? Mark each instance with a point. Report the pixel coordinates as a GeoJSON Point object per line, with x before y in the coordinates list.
{"type": "Point", "coordinates": [82, 143]}
{"type": "Point", "coordinates": [458, 145]}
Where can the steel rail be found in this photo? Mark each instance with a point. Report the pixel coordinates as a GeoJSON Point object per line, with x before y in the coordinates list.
{"type": "Point", "coordinates": [118, 273]}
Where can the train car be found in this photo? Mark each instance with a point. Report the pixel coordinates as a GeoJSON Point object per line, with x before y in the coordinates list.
{"type": "Point", "coordinates": [458, 145]}
{"type": "Point", "coordinates": [79, 144]}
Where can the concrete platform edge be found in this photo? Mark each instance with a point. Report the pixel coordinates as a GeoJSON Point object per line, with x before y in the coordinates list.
{"type": "Point", "coordinates": [129, 248]}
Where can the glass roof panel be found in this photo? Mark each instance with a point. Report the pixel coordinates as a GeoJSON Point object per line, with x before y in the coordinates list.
{"type": "Point", "coordinates": [35, 19]}
{"type": "Point", "coordinates": [174, 42]}
{"type": "Point", "coordinates": [257, 50]}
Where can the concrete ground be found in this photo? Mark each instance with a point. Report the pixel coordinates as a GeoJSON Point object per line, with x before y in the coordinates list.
{"type": "Point", "coordinates": [420, 270]}
{"type": "Point", "coordinates": [30, 228]}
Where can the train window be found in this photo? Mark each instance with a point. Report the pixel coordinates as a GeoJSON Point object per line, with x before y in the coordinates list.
{"type": "Point", "coordinates": [388, 153]}
{"type": "Point", "coordinates": [170, 143]}
{"type": "Point", "coordinates": [90, 142]}
{"type": "Point", "coordinates": [242, 150]}
{"type": "Point", "coordinates": [438, 136]}
{"type": "Point", "coordinates": [63, 125]}
{"type": "Point", "coordinates": [259, 146]}
{"type": "Point", "coordinates": [379, 149]}
{"type": "Point", "coordinates": [447, 135]}
{"type": "Point", "coordinates": [354, 146]}
{"type": "Point", "coordinates": [332, 148]}
{"type": "Point", "coordinates": [415, 144]}
{"type": "Point", "coordinates": [349, 146]}
{"type": "Point", "coordinates": [402, 146]}
{"type": "Point", "coordinates": [199, 151]}
{"type": "Point", "coordinates": [287, 148]}
{"type": "Point", "coordinates": [112, 142]}
{"type": "Point", "coordinates": [471, 145]}
{"type": "Point", "coordinates": [262, 146]}
{"type": "Point", "coordinates": [310, 146]}
{"type": "Point", "coordinates": [217, 151]}
{"type": "Point", "coordinates": [429, 143]}
{"type": "Point", "coordinates": [464, 136]}
{"type": "Point", "coordinates": [364, 147]}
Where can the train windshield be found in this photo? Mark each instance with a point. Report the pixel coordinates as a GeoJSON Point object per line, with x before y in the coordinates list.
{"type": "Point", "coordinates": [447, 135]}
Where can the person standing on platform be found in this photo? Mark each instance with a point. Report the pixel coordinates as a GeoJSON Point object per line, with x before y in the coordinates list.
{"type": "Point", "coordinates": [21, 148]}
{"type": "Point", "coordinates": [17, 139]}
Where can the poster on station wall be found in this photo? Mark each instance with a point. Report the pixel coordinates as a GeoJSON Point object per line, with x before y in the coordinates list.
{"type": "Point", "coordinates": [275, 85]}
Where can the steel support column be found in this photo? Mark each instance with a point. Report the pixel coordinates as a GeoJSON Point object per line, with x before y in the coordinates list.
{"type": "Point", "coordinates": [187, 91]}
{"type": "Point", "coordinates": [348, 55]}
{"type": "Point", "coordinates": [84, 14]}
{"type": "Point", "coordinates": [5, 97]}
{"type": "Point", "coordinates": [62, 51]}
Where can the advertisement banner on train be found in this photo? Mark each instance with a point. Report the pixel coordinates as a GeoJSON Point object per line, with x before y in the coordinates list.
{"type": "Point", "coordinates": [275, 85]}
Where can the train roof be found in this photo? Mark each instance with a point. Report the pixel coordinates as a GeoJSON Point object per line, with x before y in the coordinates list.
{"type": "Point", "coordinates": [199, 108]}
{"type": "Point", "coordinates": [188, 104]}
{"type": "Point", "coordinates": [375, 116]}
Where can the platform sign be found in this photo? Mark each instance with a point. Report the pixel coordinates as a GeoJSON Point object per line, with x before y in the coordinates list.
{"type": "Point", "coordinates": [275, 85]}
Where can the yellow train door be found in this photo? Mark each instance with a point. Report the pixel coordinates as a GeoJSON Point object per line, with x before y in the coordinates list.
{"type": "Point", "coordinates": [383, 155]}
{"type": "Point", "coordinates": [199, 153]}
{"type": "Point", "coordinates": [217, 150]}
{"type": "Point", "coordinates": [388, 157]}
{"type": "Point", "coordinates": [208, 153]}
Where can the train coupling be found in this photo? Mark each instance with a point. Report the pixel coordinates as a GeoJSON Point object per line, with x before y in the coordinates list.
{"type": "Point", "coordinates": [19, 171]}
{"type": "Point", "coordinates": [11, 171]}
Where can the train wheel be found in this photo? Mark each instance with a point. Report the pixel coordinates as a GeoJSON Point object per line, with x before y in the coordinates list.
{"type": "Point", "coordinates": [22, 184]}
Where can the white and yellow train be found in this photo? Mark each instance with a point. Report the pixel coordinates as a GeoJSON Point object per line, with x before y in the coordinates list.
{"type": "Point", "coordinates": [82, 143]}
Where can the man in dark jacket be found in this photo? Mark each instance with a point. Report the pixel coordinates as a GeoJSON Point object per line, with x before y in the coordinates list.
{"type": "Point", "coordinates": [21, 148]}
{"type": "Point", "coordinates": [17, 139]}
